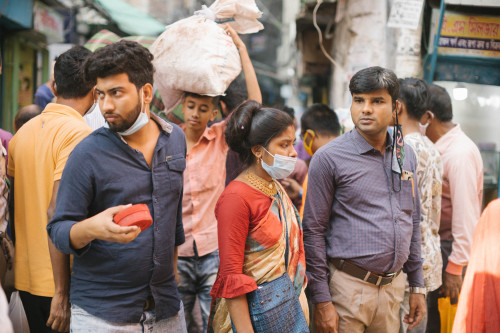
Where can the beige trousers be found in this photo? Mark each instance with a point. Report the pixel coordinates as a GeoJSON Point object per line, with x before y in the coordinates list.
{"type": "Point", "coordinates": [365, 307]}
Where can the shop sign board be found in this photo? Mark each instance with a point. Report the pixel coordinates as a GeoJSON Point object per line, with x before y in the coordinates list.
{"type": "Point", "coordinates": [469, 35]}
{"type": "Point", "coordinates": [49, 22]}
{"type": "Point", "coordinates": [405, 14]}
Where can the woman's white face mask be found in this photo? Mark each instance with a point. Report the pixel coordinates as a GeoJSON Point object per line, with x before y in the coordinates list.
{"type": "Point", "coordinates": [282, 166]}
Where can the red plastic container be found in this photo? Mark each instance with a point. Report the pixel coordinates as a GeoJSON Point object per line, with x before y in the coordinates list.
{"type": "Point", "coordinates": [138, 215]}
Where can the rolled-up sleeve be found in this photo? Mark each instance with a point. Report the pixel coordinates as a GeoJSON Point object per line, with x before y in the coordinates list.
{"type": "Point", "coordinates": [233, 220]}
{"type": "Point", "coordinates": [73, 199]}
{"type": "Point", "coordinates": [317, 216]}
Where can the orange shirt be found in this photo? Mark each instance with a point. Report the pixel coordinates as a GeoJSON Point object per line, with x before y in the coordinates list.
{"type": "Point", "coordinates": [37, 156]}
{"type": "Point", "coordinates": [204, 180]}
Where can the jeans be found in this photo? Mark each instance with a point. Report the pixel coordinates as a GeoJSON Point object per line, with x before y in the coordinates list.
{"type": "Point", "coordinates": [196, 278]}
{"type": "Point", "coordinates": [84, 322]}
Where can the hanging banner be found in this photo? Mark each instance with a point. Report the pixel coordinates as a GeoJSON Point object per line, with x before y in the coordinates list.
{"type": "Point", "coordinates": [469, 35]}
{"type": "Point", "coordinates": [405, 14]}
{"type": "Point", "coordinates": [48, 22]}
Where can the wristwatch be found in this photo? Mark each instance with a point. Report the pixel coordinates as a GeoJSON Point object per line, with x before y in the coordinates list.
{"type": "Point", "coordinates": [418, 290]}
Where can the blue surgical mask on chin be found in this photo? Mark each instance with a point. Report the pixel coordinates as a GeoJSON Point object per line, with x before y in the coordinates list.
{"type": "Point", "coordinates": [282, 166]}
{"type": "Point", "coordinates": [140, 122]}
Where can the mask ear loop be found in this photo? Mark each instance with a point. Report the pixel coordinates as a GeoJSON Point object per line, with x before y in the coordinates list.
{"type": "Point", "coordinates": [395, 134]}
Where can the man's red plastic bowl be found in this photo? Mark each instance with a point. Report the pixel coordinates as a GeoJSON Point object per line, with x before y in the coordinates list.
{"type": "Point", "coordinates": [138, 215]}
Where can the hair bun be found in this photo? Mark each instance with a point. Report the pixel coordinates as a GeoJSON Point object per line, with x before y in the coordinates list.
{"type": "Point", "coordinates": [239, 126]}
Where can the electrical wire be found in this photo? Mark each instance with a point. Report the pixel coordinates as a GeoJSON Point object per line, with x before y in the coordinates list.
{"type": "Point", "coordinates": [320, 33]}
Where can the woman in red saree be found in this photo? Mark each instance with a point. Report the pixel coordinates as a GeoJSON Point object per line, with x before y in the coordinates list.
{"type": "Point", "coordinates": [255, 216]}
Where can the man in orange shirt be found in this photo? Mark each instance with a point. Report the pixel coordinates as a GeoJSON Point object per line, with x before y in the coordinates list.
{"type": "Point", "coordinates": [38, 154]}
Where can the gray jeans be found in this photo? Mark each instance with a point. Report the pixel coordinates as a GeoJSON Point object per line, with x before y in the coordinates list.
{"type": "Point", "coordinates": [84, 322]}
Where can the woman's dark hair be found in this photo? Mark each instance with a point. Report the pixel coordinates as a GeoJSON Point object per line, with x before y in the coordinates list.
{"type": "Point", "coordinates": [251, 125]}
{"type": "Point", "coordinates": [413, 93]}
{"type": "Point", "coordinates": [122, 57]}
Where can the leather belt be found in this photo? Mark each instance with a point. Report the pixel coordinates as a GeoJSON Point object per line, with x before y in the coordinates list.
{"type": "Point", "coordinates": [360, 273]}
{"type": "Point", "coordinates": [150, 303]}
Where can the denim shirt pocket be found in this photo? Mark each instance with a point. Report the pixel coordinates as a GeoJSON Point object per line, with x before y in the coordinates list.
{"type": "Point", "coordinates": [406, 197]}
{"type": "Point", "coordinates": [176, 165]}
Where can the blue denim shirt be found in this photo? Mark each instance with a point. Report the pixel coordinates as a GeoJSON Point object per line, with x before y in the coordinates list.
{"type": "Point", "coordinates": [112, 280]}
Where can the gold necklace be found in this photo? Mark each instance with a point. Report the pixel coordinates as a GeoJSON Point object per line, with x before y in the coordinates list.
{"type": "Point", "coordinates": [268, 188]}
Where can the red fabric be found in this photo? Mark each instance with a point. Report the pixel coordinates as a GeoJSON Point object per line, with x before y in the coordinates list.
{"type": "Point", "coordinates": [238, 210]}
{"type": "Point", "coordinates": [479, 305]}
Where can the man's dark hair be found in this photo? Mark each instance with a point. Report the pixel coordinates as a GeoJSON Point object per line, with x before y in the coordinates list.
{"type": "Point", "coordinates": [122, 57]}
{"type": "Point", "coordinates": [25, 114]}
{"type": "Point", "coordinates": [439, 103]}
{"type": "Point", "coordinates": [413, 93]}
{"type": "Point", "coordinates": [321, 119]}
{"type": "Point", "coordinates": [290, 111]}
{"type": "Point", "coordinates": [236, 94]}
{"type": "Point", "coordinates": [215, 99]}
{"type": "Point", "coordinates": [69, 73]}
{"type": "Point", "coordinates": [375, 78]}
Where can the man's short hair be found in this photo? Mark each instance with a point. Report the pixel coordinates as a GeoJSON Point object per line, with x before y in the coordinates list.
{"type": "Point", "coordinates": [285, 108]}
{"type": "Point", "coordinates": [69, 73]}
{"type": "Point", "coordinates": [413, 93]}
{"type": "Point", "coordinates": [236, 94]}
{"type": "Point", "coordinates": [25, 114]}
{"type": "Point", "coordinates": [439, 102]}
{"type": "Point", "coordinates": [122, 57]}
{"type": "Point", "coordinates": [214, 99]}
{"type": "Point", "coordinates": [375, 78]}
{"type": "Point", "coordinates": [321, 119]}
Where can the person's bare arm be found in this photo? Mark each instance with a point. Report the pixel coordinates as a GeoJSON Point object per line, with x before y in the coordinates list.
{"type": "Point", "coordinates": [60, 309]}
{"type": "Point", "coordinates": [175, 264]}
{"type": "Point", "coordinates": [252, 84]}
{"type": "Point", "coordinates": [238, 309]}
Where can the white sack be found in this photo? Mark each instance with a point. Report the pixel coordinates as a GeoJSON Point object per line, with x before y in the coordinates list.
{"type": "Point", "coordinates": [242, 15]}
{"type": "Point", "coordinates": [196, 55]}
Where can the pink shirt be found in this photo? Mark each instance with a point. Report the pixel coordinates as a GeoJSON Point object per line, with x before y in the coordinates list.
{"type": "Point", "coordinates": [204, 180]}
{"type": "Point", "coordinates": [462, 194]}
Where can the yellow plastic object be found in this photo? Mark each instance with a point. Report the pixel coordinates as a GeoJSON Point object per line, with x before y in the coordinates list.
{"type": "Point", "coordinates": [447, 313]}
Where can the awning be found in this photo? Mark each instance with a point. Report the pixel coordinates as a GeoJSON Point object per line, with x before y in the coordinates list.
{"type": "Point", "coordinates": [106, 37]}
{"type": "Point", "coordinates": [130, 20]}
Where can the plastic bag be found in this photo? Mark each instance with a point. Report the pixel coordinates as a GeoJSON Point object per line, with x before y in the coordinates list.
{"type": "Point", "coordinates": [17, 314]}
{"type": "Point", "coordinates": [196, 55]}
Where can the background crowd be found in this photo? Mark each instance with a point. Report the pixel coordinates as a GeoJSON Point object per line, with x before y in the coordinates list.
{"type": "Point", "coordinates": [366, 236]}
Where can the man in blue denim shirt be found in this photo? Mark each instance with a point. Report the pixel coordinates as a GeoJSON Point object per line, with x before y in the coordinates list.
{"type": "Point", "coordinates": [123, 278]}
